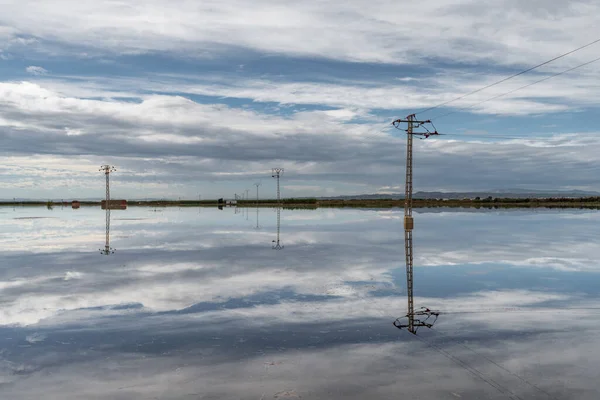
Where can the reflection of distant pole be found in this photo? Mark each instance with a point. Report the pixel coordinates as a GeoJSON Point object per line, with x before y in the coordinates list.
{"type": "Point", "coordinates": [107, 242]}
{"type": "Point", "coordinates": [107, 169]}
{"type": "Point", "coordinates": [257, 226]}
{"type": "Point", "coordinates": [278, 246]}
{"type": "Point", "coordinates": [107, 249]}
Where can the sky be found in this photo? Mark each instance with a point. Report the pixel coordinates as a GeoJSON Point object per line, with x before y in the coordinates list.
{"type": "Point", "coordinates": [191, 99]}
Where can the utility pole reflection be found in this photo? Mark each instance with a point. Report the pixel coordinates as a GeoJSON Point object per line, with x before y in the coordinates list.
{"type": "Point", "coordinates": [278, 246]}
{"type": "Point", "coordinates": [107, 249]}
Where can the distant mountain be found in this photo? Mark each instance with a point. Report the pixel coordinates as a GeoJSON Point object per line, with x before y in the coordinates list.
{"type": "Point", "coordinates": [500, 193]}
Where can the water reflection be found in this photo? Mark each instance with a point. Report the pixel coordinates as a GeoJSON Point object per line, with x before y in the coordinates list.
{"type": "Point", "coordinates": [423, 317]}
{"type": "Point", "coordinates": [257, 222]}
{"type": "Point", "coordinates": [278, 245]}
{"type": "Point", "coordinates": [107, 249]}
{"type": "Point", "coordinates": [196, 306]}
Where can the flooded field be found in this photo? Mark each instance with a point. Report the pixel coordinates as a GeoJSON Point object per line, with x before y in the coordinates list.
{"type": "Point", "coordinates": [188, 303]}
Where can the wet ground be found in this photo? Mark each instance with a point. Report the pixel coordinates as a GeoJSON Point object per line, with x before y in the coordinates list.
{"type": "Point", "coordinates": [198, 304]}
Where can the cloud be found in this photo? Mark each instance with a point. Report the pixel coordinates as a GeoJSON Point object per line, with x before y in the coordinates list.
{"type": "Point", "coordinates": [318, 88]}
{"type": "Point", "coordinates": [356, 97]}
{"type": "Point", "coordinates": [383, 32]}
{"type": "Point", "coordinates": [162, 138]}
{"type": "Point", "coordinates": [36, 70]}
{"type": "Point", "coordinates": [313, 188]}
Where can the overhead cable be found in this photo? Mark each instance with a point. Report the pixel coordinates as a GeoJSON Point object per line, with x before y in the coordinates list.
{"type": "Point", "coordinates": [509, 77]}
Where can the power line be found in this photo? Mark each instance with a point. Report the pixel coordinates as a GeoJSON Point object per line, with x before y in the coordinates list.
{"type": "Point", "coordinates": [465, 136]}
{"type": "Point", "coordinates": [508, 78]}
{"type": "Point", "coordinates": [501, 367]}
{"type": "Point", "coordinates": [485, 136]}
{"type": "Point", "coordinates": [474, 371]}
{"type": "Point", "coordinates": [524, 310]}
{"type": "Point", "coordinates": [517, 89]}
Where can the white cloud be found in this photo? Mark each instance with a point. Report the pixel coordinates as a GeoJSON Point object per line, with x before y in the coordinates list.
{"type": "Point", "coordinates": [380, 31]}
{"type": "Point", "coordinates": [229, 143]}
{"type": "Point", "coordinates": [573, 91]}
{"type": "Point", "coordinates": [34, 70]}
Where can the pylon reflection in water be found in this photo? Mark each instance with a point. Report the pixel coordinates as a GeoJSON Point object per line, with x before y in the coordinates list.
{"type": "Point", "coordinates": [278, 245]}
{"type": "Point", "coordinates": [107, 249]}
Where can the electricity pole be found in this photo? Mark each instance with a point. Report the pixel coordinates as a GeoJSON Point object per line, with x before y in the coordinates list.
{"type": "Point", "coordinates": [413, 323]}
{"type": "Point", "coordinates": [257, 184]}
{"type": "Point", "coordinates": [276, 173]}
{"type": "Point", "coordinates": [107, 170]}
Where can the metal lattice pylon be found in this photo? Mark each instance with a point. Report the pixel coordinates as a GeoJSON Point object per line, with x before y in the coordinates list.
{"type": "Point", "coordinates": [276, 173]}
{"type": "Point", "coordinates": [412, 323]}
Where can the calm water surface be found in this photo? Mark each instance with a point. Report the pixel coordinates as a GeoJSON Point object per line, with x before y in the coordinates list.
{"type": "Point", "coordinates": [196, 304]}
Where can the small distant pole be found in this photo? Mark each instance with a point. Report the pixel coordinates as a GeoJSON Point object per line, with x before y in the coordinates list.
{"type": "Point", "coordinates": [107, 169]}
{"type": "Point", "coordinates": [257, 184]}
{"type": "Point", "coordinates": [276, 173]}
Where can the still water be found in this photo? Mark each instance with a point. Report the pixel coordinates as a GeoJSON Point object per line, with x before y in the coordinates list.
{"type": "Point", "coordinates": [197, 304]}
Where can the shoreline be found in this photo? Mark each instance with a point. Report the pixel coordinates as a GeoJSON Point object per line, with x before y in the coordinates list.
{"type": "Point", "coordinates": [582, 203]}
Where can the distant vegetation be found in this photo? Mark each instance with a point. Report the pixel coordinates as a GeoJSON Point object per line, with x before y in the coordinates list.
{"type": "Point", "coordinates": [477, 202]}
{"type": "Point", "coordinates": [488, 202]}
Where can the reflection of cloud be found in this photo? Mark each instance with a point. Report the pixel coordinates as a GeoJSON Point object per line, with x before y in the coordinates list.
{"type": "Point", "coordinates": [35, 338]}
{"type": "Point", "coordinates": [166, 268]}
{"type": "Point", "coordinates": [73, 275]}
{"type": "Point", "coordinates": [205, 308]}
{"type": "Point", "coordinates": [355, 370]}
